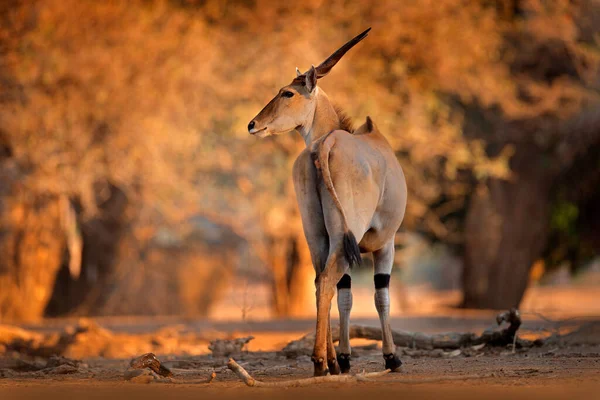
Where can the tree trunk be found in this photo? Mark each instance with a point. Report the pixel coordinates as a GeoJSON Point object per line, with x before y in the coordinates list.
{"type": "Point", "coordinates": [301, 285]}
{"type": "Point", "coordinates": [32, 245]}
{"type": "Point", "coordinates": [279, 255]}
{"type": "Point", "coordinates": [293, 277]}
{"type": "Point", "coordinates": [505, 233]}
{"type": "Point", "coordinates": [101, 237]}
{"type": "Point", "coordinates": [507, 223]}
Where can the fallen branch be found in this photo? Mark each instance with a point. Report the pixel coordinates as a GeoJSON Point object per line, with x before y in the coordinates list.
{"type": "Point", "coordinates": [250, 381]}
{"type": "Point", "coordinates": [422, 341]}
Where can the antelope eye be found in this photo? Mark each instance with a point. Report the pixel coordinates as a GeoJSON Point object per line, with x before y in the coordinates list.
{"type": "Point", "coordinates": [287, 94]}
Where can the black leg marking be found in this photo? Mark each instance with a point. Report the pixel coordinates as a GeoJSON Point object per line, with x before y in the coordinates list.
{"type": "Point", "coordinates": [345, 282]}
{"type": "Point", "coordinates": [382, 281]}
{"type": "Point", "coordinates": [344, 362]}
{"type": "Point", "coordinates": [392, 362]}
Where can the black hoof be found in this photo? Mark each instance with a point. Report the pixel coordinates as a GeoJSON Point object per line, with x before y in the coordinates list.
{"type": "Point", "coordinates": [392, 362]}
{"type": "Point", "coordinates": [333, 366]}
{"type": "Point", "coordinates": [344, 362]}
{"type": "Point", "coordinates": [320, 367]}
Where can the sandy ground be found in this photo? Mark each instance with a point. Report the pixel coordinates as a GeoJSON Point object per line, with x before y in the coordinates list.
{"type": "Point", "coordinates": [549, 391]}
{"type": "Point", "coordinates": [566, 373]}
{"type": "Point", "coordinates": [563, 370]}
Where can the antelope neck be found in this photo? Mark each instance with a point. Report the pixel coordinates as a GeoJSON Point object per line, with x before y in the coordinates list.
{"type": "Point", "coordinates": [324, 120]}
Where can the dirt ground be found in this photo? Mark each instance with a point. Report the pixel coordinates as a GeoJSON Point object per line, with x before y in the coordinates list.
{"type": "Point", "coordinates": [96, 353]}
{"type": "Point", "coordinates": [564, 373]}
{"type": "Point", "coordinates": [97, 356]}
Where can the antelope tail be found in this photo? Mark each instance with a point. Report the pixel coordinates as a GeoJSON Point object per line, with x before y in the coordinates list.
{"type": "Point", "coordinates": [321, 159]}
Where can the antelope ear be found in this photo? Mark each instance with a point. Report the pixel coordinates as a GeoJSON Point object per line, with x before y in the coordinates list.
{"type": "Point", "coordinates": [369, 124]}
{"type": "Point", "coordinates": [298, 73]}
{"type": "Point", "coordinates": [365, 128]}
{"type": "Point", "coordinates": [311, 79]}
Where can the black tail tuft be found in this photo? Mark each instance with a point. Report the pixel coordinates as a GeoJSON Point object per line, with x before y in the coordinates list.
{"type": "Point", "coordinates": [351, 250]}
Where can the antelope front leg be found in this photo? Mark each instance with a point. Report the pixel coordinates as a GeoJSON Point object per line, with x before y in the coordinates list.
{"type": "Point", "coordinates": [332, 363]}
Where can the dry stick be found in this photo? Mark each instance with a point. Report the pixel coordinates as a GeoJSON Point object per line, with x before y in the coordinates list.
{"type": "Point", "coordinates": [401, 338]}
{"type": "Point", "coordinates": [362, 377]}
{"type": "Point", "coordinates": [250, 381]}
{"type": "Point", "coordinates": [417, 340]}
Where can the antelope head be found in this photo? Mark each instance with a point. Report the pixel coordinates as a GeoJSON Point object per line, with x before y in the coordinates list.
{"type": "Point", "coordinates": [294, 106]}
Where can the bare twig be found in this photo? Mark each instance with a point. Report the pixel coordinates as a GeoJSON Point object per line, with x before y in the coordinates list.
{"type": "Point", "coordinates": [250, 381]}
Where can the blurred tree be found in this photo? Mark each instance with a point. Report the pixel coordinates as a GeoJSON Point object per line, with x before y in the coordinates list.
{"type": "Point", "coordinates": [555, 129]}
{"type": "Point", "coordinates": [134, 114]}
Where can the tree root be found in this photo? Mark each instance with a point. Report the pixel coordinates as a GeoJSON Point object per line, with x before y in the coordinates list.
{"type": "Point", "coordinates": [250, 381]}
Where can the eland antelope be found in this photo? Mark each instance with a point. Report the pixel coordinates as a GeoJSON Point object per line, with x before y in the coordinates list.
{"type": "Point", "coordinates": [351, 193]}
